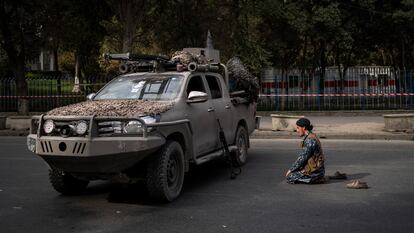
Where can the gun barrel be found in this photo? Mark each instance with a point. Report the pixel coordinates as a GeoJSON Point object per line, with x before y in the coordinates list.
{"type": "Point", "coordinates": [202, 67]}
{"type": "Point", "coordinates": [116, 56]}
{"type": "Point", "coordinates": [135, 57]}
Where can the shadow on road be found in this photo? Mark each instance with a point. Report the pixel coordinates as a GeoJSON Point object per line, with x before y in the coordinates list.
{"type": "Point", "coordinates": [130, 194]}
{"type": "Point", "coordinates": [356, 176]}
{"type": "Point", "coordinates": [202, 176]}
{"type": "Point", "coordinates": [97, 187]}
{"type": "Point", "coordinates": [199, 177]}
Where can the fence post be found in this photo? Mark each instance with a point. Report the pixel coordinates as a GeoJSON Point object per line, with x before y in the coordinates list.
{"type": "Point", "coordinates": [318, 88]}
{"type": "Point", "coordinates": [410, 76]}
{"type": "Point", "coordinates": [276, 97]}
{"type": "Point", "coordinates": [364, 90]}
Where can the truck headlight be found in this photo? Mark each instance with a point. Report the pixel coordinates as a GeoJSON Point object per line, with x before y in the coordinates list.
{"type": "Point", "coordinates": [149, 119]}
{"type": "Point", "coordinates": [133, 127]}
{"type": "Point", "coordinates": [81, 127]}
{"type": "Point", "coordinates": [34, 126]}
{"type": "Point", "coordinates": [31, 144]}
{"type": "Point", "coordinates": [48, 126]}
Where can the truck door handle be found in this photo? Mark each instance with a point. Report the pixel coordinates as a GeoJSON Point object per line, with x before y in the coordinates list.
{"type": "Point", "coordinates": [210, 109]}
{"type": "Point", "coordinates": [227, 107]}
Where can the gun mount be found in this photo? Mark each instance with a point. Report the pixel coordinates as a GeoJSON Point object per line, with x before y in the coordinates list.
{"type": "Point", "coordinates": [140, 62]}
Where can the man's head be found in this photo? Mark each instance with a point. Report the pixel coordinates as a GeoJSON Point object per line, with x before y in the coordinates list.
{"type": "Point", "coordinates": [302, 126]}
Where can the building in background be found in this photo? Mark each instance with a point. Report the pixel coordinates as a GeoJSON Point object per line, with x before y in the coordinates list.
{"type": "Point", "coordinates": [357, 80]}
{"type": "Point", "coordinates": [44, 62]}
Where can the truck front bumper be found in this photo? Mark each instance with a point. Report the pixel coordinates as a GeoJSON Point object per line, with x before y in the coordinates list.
{"type": "Point", "coordinates": [93, 155]}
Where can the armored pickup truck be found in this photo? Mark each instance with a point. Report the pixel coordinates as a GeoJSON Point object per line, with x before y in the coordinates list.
{"type": "Point", "coordinates": [150, 123]}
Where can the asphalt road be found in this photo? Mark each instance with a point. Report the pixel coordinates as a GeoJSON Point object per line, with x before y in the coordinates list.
{"type": "Point", "coordinates": [259, 200]}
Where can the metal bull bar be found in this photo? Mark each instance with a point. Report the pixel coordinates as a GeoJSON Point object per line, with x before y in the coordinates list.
{"type": "Point", "coordinates": [91, 119]}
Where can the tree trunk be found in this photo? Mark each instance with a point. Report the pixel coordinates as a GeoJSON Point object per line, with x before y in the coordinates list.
{"type": "Point", "coordinates": [16, 54]}
{"type": "Point", "coordinates": [127, 19]}
{"type": "Point", "coordinates": [55, 59]}
{"type": "Point", "coordinates": [284, 91]}
{"type": "Point", "coordinates": [346, 65]}
{"type": "Point", "coordinates": [76, 86]}
{"type": "Point", "coordinates": [56, 68]}
{"type": "Point", "coordinates": [304, 67]}
{"type": "Point", "coordinates": [21, 86]}
{"type": "Point", "coordinates": [411, 56]}
{"type": "Point", "coordinates": [323, 65]}
{"type": "Point", "coordinates": [305, 51]}
{"type": "Point", "coordinates": [128, 34]}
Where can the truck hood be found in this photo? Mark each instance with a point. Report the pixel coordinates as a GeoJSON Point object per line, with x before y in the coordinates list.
{"type": "Point", "coordinates": [120, 108]}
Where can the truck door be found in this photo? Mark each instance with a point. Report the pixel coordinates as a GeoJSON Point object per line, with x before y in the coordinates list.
{"type": "Point", "coordinates": [222, 105]}
{"type": "Point", "coordinates": [203, 120]}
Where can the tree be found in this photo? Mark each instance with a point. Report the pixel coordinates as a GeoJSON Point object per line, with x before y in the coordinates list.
{"type": "Point", "coordinates": [20, 28]}
{"type": "Point", "coordinates": [131, 15]}
{"type": "Point", "coordinates": [179, 24]}
{"type": "Point", "coordinates": [403, 19]}
{"type": "Point", "coordinates": [82, 34]}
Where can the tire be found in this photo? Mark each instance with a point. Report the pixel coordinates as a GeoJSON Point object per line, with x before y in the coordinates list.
{"type": "Point", "coordinates": [239, 157]}
{"type": "Point", "coordinates": [165, 172]}
{"type": "Point", "coordinates": [66, 184]}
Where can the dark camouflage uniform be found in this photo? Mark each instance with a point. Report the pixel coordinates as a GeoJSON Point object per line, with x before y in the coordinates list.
{"type": "Point", "coordinates": [309, 166]}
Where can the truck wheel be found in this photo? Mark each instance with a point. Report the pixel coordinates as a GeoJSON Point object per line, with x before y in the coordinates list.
{"type": "Point", "coordinates": [242, 140]}
{"type": "Point", "coordinates": [65, 183]}
{"type": "Point", "coordinates": [165, 172]}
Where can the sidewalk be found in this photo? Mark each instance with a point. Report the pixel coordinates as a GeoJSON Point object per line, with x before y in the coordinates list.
{"type": "Point", "coordinates": [342, 125]}
{"type": "Point", "coordinates": [330, 125]}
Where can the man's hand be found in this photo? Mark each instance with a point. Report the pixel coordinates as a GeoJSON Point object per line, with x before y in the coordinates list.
{"type": "Point", "coordinates": [288, 172]}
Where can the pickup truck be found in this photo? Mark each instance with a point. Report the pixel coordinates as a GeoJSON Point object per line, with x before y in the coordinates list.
{"type": "Point", "coordinates": [145, 125]}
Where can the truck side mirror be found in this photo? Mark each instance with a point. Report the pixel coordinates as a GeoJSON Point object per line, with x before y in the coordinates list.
{"type": "Point", "coordinates": [197, 97]}
{"type": "Point", "coordinates": [90, 96]}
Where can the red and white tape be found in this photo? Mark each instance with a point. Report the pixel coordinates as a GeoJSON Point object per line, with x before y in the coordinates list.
{"type": "Point", "coordinates": [337, 95]}
{"type": "Point", "coordinates": [261, 95]}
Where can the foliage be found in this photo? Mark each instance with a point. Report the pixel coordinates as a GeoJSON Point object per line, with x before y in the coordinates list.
{"type": "Point", "coordinates": [5, 70]}
{"type": "Point", "coordinates": [306, 34]}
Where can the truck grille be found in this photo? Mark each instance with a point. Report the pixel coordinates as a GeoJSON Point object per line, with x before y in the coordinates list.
{"type": "Point", "coordinates": [79, 148]}
{"type": "Point", "coordinates": [46, 146]}
{"type": "Point", "coordinates": [63, 147]}
{"type": "Point", "coordinates": [106, 128]}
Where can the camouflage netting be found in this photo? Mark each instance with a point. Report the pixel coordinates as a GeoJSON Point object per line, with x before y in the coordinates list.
{"type": "Point", "coordinates": [243, 79]}
{"type": "Point", "coordinates": [121, 108]}
{"type": "Point", "coordinates": [186, 58]}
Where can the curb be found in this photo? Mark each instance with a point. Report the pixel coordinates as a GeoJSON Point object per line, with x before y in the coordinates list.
{"type": "Point", "coordinates": [341, 113]}
{"type": "Point", "coordinates": [10, 132]}
{"type": "Point", "coordinates": [267, 134]}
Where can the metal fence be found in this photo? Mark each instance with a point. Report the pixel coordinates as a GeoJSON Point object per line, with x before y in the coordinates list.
{"type": "Point", "coordinates": [361, 88]}
{"type": "Point", "coordinates": [48, 92]}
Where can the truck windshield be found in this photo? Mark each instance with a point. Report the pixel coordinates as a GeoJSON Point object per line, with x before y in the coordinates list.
{"type": "Point", "coordinates": [152, 87]}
